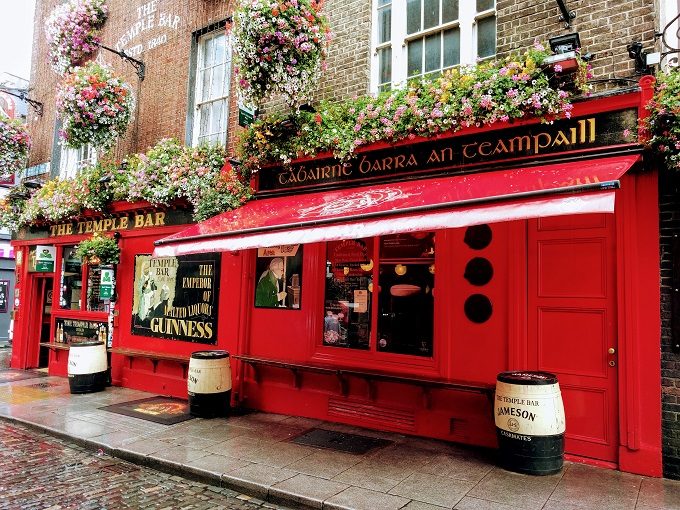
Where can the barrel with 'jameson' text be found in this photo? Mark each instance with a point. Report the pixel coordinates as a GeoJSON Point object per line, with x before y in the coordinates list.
{"type": "Point", "coordinates": [209, 384]}
{"type": "Point", "coordinates": [530, 422]}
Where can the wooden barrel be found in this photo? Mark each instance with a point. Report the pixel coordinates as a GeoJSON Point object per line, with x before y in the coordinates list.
{"type": "Point", "coordinates": [530, 422]}
{"type": "Point", "coordinates": [209, 384]}
{"type": "Point", "coordinates": [87, 367]}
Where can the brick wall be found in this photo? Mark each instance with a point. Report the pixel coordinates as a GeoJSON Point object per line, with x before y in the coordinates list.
{"type": "Point", "coordinates": [669, 203]}
{"type": "Point", "coordinates": [605, 27]}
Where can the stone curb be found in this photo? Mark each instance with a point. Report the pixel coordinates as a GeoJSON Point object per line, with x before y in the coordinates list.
{"type": "Point", "coordinates": [224, 481]}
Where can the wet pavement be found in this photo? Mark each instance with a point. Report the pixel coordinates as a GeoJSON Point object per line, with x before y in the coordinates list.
{"type": "Point", "coordinates": [253, 454]}
{"type": "Point", "coordinates": [39, 471]}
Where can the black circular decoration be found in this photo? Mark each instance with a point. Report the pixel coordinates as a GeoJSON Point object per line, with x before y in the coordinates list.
{"type": "Point", "coordinates": [478, 237]}
{"type": "Point", "coordinates": [478, 271]}
{"type": "Point", "coordinates": [478, 308]}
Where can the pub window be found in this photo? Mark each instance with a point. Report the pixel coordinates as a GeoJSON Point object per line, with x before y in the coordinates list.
{"type": "Point", "coordinates": [210, 101]}
{"type": "Point", "coordinates": [70, 291]}
{"type": "Point", "coordinates": [422, 38]}
{"type": "Point", "coordinates": [95, 301]}
{"type": "Point", "coordinates": [401, 320]}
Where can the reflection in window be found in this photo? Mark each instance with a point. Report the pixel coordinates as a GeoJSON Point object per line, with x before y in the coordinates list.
{"type": "Point", "coordinates": [349, 277]}
{"type": "Point", "coordinates": [94, 301]}
{"type": "Point", "coordinates": [405, 302]}
{"type": "Point", "coordinates": [71, 280]}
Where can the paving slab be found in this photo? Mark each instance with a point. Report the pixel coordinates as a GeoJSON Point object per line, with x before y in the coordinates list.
{"type": "Point", "coordinates": [306, 490]}
{"type": "Point", "coordinates": [356, 498]}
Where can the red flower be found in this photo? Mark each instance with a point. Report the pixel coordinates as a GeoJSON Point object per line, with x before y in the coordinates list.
{"type": "Point", "coordinates": [317, 118]}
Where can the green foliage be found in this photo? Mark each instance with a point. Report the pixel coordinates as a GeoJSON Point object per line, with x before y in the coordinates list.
{"type": "Point", "coordinates": [663, 123]}
{"type": "Point", "coordinates": [102, 247]}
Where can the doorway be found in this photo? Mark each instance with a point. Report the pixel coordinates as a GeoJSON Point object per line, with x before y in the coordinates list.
{"type": "Point", "coordinates": [40, 316]}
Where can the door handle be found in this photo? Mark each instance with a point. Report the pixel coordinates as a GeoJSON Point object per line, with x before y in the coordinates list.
{"type": "Point", "coordinates": [611, 350]}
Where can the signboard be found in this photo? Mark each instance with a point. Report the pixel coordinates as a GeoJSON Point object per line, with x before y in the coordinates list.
{"type": "Point", "coordinates": [44, 258]}
{"type": "Point", "coordinates": [106, 283]}
{"type": "Point", "coordinates": [278, 270]}
{"type": "Point", "coordinates": [4, 295]}
{"type": "Point", "coordinates": [133, 221]}
{"type": "Point", "coordinates": [177, 297]}
{"type": "Point", "coordinates": [71, 331]}
{"type": "Point", "coordinates": [457, 154]}
{"type": "Point", "coordinates": [246, 115]}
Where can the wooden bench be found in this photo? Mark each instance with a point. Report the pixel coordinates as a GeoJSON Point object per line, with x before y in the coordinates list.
{"type": "Point", "coordinates": [55, 346]}
{"type": "Point", "coordinates": [370, 376]}
{"type": "Point", "coordinates": [155, 357]}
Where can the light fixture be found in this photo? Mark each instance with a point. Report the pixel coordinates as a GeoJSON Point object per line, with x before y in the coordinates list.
{"type": "Point", "coordinates": [636, 53]}
{"type": "Point", "coordinates": [431, 268]}
{"type": "Point", "coordinates": [400, 269]}
{"type": "Point", "coordinates": [565, 43]}
{"type": "Point", "coordinates": [31, 184]}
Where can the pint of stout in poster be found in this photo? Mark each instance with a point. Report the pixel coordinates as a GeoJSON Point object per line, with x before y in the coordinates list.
{"type": "Point", "coordinates": [530, 422]}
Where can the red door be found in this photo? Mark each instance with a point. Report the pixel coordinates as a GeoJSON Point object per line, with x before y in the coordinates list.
{"type": "Point", "coordinates": [572, 324]}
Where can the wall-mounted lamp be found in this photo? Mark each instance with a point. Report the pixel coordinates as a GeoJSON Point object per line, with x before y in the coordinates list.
{"type": "Point", "coordinates": [31, 184]}
{"type": "Point", "coordinates": [565, 43]}
{"type": "Point", "coordinates": [636, 53]}
{"type": "Point", "coordinates": [400, 269]}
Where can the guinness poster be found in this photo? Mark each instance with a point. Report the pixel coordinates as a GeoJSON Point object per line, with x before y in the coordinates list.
{"type": "Point", "coordinates": [177, 297]}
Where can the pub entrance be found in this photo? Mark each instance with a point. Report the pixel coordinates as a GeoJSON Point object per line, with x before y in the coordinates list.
{"type": "Point", "coordinates": [40, 314]}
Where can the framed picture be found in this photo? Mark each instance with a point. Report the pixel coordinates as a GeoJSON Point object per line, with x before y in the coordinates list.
{"type": "Point", "coordinates": [177, 297]}
{"type": "Point", "coordinates": [278, 273]}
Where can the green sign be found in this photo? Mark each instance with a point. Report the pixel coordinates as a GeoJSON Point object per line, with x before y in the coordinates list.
{"type": "Point", "coordinates": [44, 258]}
{"type": "Point", "coordinates": [246, 116]}
{"type": "Point", "coordinates": [106, 284]}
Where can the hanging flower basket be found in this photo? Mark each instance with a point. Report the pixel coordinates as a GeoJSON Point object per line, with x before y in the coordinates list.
{"type": "Point", "coordinates": [95, 106]}
{"type": "Point", "coordinates": [663, 123]}
{"type": "Point", "coordinates": [14, 146]}
{"type": "Point", "coordinates": [72, 31]}
{"type": "Point", "coordinates": [280, 48]}
{"type": "Point", "coordinates": [99, 249]}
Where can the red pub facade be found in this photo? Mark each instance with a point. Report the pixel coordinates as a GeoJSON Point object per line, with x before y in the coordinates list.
{"type": "Point", "coordinates": [393, 294]}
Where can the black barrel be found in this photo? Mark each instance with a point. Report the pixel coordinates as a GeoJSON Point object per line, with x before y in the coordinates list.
{"type": "Point", "coordinates": [530, 422]}
{"type": "Point", "coordinates": [209, 384]}
{"type": "Point", "coordinates": [87, 367]}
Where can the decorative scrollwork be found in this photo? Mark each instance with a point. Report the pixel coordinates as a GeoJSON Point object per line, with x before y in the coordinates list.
{"type": "Point", "coordinates": [667, 48]}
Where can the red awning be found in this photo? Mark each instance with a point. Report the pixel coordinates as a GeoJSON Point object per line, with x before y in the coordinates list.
{"type": "Point", "coordinates": [428, 204]}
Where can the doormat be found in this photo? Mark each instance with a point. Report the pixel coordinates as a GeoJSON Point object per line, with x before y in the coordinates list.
{"type": "Point", "coordinates": [11, 375]}
{"type": "Point", "coordinates": [340, 441]}
{"type": "Point", "coordinates": [163, 410]}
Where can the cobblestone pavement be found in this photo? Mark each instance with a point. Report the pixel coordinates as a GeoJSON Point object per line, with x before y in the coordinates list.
{"type": "Point", "coordinates": [5, 355]}
{"type": "Point", "coordinates": [40, 472]}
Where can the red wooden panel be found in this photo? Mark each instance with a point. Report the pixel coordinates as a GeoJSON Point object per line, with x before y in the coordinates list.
{"type": "Point", "coordinates": [572, 268]}
{"type": "Point", "coordinates": [571, 222]}
{"type": "Point", "coordinates": [587, 413]}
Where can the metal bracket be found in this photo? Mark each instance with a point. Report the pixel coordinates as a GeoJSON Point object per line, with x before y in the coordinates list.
{"type": "Point", "coordinates": [21, 94]}
{"type": "Point", "coordinates": [662, 35]}
{"type": "Point", "coordinates": [566, 15]}
{"type": "Point", "coordinates": [139, 66]}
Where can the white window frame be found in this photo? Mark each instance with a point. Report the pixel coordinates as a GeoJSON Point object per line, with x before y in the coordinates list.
{"type": "Point", "coordinates": [199, 100]}
{"type": "Point", "coordinates": [467, 21]}
{"type": "Point", "coordinates": [72, 161]}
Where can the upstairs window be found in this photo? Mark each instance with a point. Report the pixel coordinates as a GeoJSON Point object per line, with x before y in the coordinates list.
{"type": "Point", "coordinates": [422, 38]}
{"type": "Point", "coordinates": [212, 69]}
{"type": "Point", "coordinates": [72, 161]}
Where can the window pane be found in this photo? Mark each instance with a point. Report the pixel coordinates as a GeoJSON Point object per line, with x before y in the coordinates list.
{"type": "Point", "coordinates": [94, 303]}
{"type": "Point", "coordinates": [384, 2]}
{"type": "Point", "coordinates": [384, 24]}
{"type": "Point", "coordinates": [405, 300]}
{"type": "Point", "coordinates": [207, 52]}
{"type": "Point", "coordinates": [205, 85]}
{"type": "Point", "coordinates": [449, 10]}
{"type": "Point", "coordinates": [433, 52]}
{"type": "Point", "coordinates": [217, 81]}
{"type": "Point", "coordinates": [385, 65]}
{"type": "Point", "coordinates": [71, 280]}
{"type": "Point", "coordinates": [413, 16]}
{"type": "Point", "coordinates": [349, 287]}
{"type": "Point", "coordinates": [431, 14]}
{"type": "Point", "coordinates": [486, 37]}
{"type": "Point", "coordinates": [217, 118]}
{"type": "Point", "coordinates": [204, 113]}
{"type": "Point", "coordinates": [415, 57]}
{"type": "Point", "coordinates": [451, 47]}
{"type": "Point", "coordinates": [484, 5]}
{"type": "Point", "coordinates": [219, 48]}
